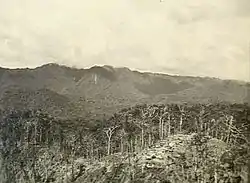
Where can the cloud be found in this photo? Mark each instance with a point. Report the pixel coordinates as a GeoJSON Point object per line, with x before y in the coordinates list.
{"type": "Point", "coordinates": [208, 38]}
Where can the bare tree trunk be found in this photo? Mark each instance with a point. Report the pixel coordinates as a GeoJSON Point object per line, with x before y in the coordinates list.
{"type": "Point", "coordinates": [169, 126]}
{"type": "Point", "coordinates": [160, 128]}
{"type": "Point", "coordinates": [67, 168]}
{"type": "Point", "coordinates": [109, 146]}
{"type": "Point", "coordinates": [92, 150]}
{"type": "Point", "coordinates": [215, 176]}
{"type": "Point", "coordinates": [181, 109]}
{"type": "Point", "coordinates": [46, 172]}
{"type": "Point", "coordinates": [109, 132]}
{"type": "Point", "coordinates": [35, 133]}
{"type": "Point", "coordinates": [208, 128]}
{"type": "Point", "coordinates": [204, 128]}
{"type": "Point", "coordinates": [72, 170]}
{"type": "Point", "coordinates": [40, 135]}
{"type": "Point", "coordinates": [87, 152]}
{"type": "Point", "coordinates": [196, 125]}
{"type": "Point", "coordinates": [142, 138]}
{"type": "Point", "coordinates": [248, 167]}
{"type": "Point", "coordinates": [181, 121]}
{"type": "Point", "coordinates": [149, 139]}
{"type": "Point", "coordinates": [165, 130]}
{"type": "Point", "coordinates": [121, 144]}
{"type": "Point", "coordinates": [47, 138]}
{"type": "Point", "coordinates": [136, 144]}
{"type": "Point", "coordinates": [229, 129]}
{"type": "Point", "coordinates": [216, 133]}
{"type": "Point", "coordinates": [222, 137]}
{"type": "Point", "coordinates": [27, 135]}
{"type": "Point", "coordinates": [131, 145]}
{"type": "Point", "coordinates": [34, 153]}
{"type": "Point", "coordinates": [201, 125]}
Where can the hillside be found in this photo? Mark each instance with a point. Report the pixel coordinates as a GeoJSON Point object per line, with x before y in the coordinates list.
{"type": "Point", "coordinates": [107, 89]}
{"type": "Point", "coordinates": [175, 159]}
{"type": "Point", "coordinates": [143, 143]}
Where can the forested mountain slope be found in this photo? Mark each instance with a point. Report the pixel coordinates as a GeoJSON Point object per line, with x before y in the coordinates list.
{"type": "Point", "coordinates": [105, 89]}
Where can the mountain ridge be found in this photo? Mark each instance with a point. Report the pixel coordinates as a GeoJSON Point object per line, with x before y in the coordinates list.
{"type": "Point", "coordinates": [118, 68]}
{"type": "Point", "coordinates": [107, 89]}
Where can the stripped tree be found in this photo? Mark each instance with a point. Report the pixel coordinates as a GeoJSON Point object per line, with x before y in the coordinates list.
{"type": "Point", "coordinates": [109, 132]}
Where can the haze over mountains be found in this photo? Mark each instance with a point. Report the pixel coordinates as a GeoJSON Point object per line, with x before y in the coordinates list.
{"type": "Point", "coordinates": [103, 90]}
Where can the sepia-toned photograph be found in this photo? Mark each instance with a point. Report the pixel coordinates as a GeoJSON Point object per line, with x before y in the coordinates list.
{"type": "Point", "coordinates": [124, 91]}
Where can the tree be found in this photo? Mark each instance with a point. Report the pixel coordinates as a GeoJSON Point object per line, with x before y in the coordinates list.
{"type": "Point", "coordinates": [181, 110]}
{"type": "Point", "coordinates": [109, 132]}
{"type": "Point", "coordinates": [122, 134]}
{"type": "Point", "coordinates": [230, 125]}
{"type": "Point", "coordinates": [146, 114]}
{"type": "Point", "coordinates": [163, 131]}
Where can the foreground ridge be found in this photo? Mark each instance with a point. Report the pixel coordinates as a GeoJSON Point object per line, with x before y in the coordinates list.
{"type": "Point", "coordinates": [175, 159]}
{"type": "Point", "coordinates": [144, 143]}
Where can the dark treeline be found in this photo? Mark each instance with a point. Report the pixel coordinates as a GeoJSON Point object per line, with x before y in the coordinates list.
{"type": "Point", "coordinates": [32, 142]}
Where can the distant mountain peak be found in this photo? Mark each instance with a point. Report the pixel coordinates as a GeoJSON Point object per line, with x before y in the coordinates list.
{"type": "Point", "coordinates": [105, 71]}
{"type": "Point", "coordinates": [48, 65]}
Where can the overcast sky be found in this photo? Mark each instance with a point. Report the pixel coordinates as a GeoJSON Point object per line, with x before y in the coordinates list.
{"type": "Point", "coordinates": [186, 37]}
